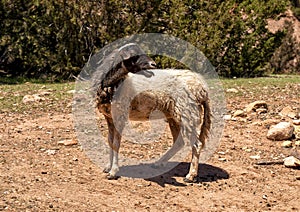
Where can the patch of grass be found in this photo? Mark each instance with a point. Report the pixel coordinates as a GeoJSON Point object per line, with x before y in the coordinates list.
{"type": "Point", "coordinates": [11, 95]}
{"type": "Point", "coordinates": [279, 88]}
{"type": "Point", "coordinates": [12, 92]}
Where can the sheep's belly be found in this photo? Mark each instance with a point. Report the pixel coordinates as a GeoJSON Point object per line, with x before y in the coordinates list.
{"type": "Point", "coordinates": [146, 103]}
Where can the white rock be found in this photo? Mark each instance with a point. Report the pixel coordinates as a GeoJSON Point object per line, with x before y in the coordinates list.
{"type": "Point", "coordinates": [297, 143]}
{"type": "Point", "coordinates": [50, 151]}
{"type": "Point", "coordinates": [68, 142]}
{"type": "Point", "coordinates": [227, 117]}
{"type": "Point", "coordinates": [232, 90]}
{"type": "Point", "coordinates": [256, 105]}
{"type": "Point", "coordinates": [281, 131]}
{"type": "Point", "coordinates": [292, 162]}
{"type": "Point", "coordinates": [287, 144]}
{"type": "Point", "coordinates": [71, 91]}
{"type": "Point", "coordinates": [256, 157]}
{"type": "Point", "coordinates": [32, 98]}
{"type": "Point", "coordinates": [296, 122]}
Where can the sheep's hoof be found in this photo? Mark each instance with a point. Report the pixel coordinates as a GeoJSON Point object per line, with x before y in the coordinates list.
{"type": "Point", "coordinates": [112, 177]}
{"type": "Point", "coordinates": [190, 180]}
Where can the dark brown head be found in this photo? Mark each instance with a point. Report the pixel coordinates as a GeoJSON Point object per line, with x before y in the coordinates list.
{"type": "Point", "coordinates": [135, 59]}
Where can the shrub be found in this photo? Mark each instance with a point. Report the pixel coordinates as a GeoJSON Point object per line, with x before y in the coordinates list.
{"type": "Point", "coordinates": [56, 37]}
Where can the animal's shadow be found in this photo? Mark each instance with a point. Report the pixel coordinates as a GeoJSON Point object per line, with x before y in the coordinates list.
{"type": "Point", "coordinates": [206, 173]}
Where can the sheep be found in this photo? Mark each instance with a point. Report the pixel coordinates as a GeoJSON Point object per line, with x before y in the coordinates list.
{"type": "Point", "coordinates": [134, 90]}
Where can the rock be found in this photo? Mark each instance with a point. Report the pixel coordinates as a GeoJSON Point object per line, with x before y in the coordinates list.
{"type": "Point", "coordinates": [256, 157]}
{"type": "Point", "coordinates": [288, 112]}
{"type": "Point", "coordinates": [296, 122]}
{"type": "Point", "coordinates": [287, 144]}
{"type": "Point", "coordinates": [32, 98]}
{"type": "Point", "coordinates": [50, 151]}
{"type": "Point", "coordinates": [68, 142]}
{"type": "Point", "coordinates": [297, 143]}
{"type": "Point", "coordinates": [227, 117]}
{"type": "Point", "coordinates": [71, 91]}
{"type": "Point", "coordinates": [291, 162]}
{"type": "Point", "coordinates": [256, 105]}
{"type": "Point", "coordinates": [281, 131]}
{"type": "Point", "coordinates": [239, 113]}
{"type": "Point", "coordinates": [232, 90]}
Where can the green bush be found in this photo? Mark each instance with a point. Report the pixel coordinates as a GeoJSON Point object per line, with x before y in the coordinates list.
{"type": "Point", "coordinates": [55, 38]}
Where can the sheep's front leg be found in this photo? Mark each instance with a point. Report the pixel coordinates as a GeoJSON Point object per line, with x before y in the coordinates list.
{"type": "Point", "coordinates": [115, 156]}
{"type": "Point", "coordinates": [193, 172]}
{"type": "Point", "coordinates": [114, 139]}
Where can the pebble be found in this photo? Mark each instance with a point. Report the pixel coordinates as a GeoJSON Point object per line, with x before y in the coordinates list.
{"type": "Point", "coordinates": [287, 144]}
{"type": "Point", "coordinates": [281, 131]}
{"type": "Point", "coordinates": [232, 90]}
{"type": "Point", "coordinates": [227, 117]}
{"type": "Point", "coordinates": [68, 142]}
{"type": "Point", "coordinates": [291, 162]}
{"type": "Point", "coordinates": [256, 105]}
{"type": "Point", "coordinates": [50, 151]}
{"type": "Point", "coordinates": [239, 113]}
{"type": "Point", "coordinates": [288, 112]}
{"type": "Point", "coordinates": [256, 157]}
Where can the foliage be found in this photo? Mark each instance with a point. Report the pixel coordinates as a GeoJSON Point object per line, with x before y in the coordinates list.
{"type": "Point", "coordinates": [286, 58]}
{"type": "Point", "coordinates": [55, 38]}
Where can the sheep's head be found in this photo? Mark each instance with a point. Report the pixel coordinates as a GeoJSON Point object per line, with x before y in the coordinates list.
{"type": "Point", "coordinates": [135, 59]}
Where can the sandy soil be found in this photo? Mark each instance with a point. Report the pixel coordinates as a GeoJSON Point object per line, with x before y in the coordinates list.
{"type": "Point", "coordinates": [39, 174]}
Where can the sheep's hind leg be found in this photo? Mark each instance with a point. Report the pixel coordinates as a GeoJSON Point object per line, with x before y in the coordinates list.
{"type": "Point", "coordinates": [193, 172]}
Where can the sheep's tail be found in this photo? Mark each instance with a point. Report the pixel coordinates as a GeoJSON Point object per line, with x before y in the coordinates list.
{"type": "Point", "coordinates": [206, 123]}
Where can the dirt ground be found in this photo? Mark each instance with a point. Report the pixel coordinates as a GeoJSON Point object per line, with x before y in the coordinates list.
{"type": "Point", "coordinates": [39, 174]}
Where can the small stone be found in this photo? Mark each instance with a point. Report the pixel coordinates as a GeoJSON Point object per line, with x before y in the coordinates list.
{"type": "Point", "coordinates": [297, 143]}
{"type": "Point", "coordinates": [291, 162]}
{"type": "Point", "coordinates": [296, 122]}
{"type": "Point", "coordinates": [287, 144]}
{"type": "Point", "coordinates": [256, 105]}
{"type": "Point", "coordinates": [227, 117]}
{"type": "Point", "coordinates": [232, 90]}
{"type": "Point", "coordinates": [239, 113]}
{"type": "Point", "coordinates": [256, 157]}
{"type": "Point", "coordinates": [281, 131]}
{"type": "Point", "coordinates": [68, 142]}
{"type": "Point", "coordinates": [71, 91]}
{"type": "Point", "coordinates": [288, 112]}
{"type": "Point", "coordinates": [50, 151]}
{"type": "Point", "coordinates": [32, 98]}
